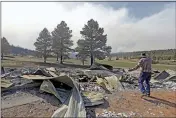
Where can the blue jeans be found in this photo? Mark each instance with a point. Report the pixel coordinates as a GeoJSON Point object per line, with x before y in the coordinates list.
{"type": "Point", "coordinates": [145, 76]}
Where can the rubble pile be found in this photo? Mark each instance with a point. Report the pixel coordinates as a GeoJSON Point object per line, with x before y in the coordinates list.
{"type": "Point", "coordinates": [78, 89]}
{"type": "Point", "coordinates": [165, 79]}
{"type": "Point", "coordinates": [91, 87]}
{"type": "Point", "coordinates": [113, 114]}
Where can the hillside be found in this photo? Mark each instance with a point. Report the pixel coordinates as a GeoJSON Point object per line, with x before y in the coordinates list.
{"type": "Point", "coordinates": [167, 54]}
{"type": "Point", "coordinates": [16, 50]}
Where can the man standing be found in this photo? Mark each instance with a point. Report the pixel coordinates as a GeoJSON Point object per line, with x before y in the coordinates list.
{"type": "Point", "coordinates": [145, 75]}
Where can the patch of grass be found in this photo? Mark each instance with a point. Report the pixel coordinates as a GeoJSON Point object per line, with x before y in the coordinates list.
{"type": "Point", "coordinates": [75, 61]}
{"type": "Point", "coordinates": [11, 63]}
{"type": "Point", "coordinates": [129, 64]}
{"type": "Point", "coordinates": [22, 61]}
{"type": "Point", "coordinates": [164, 67]}
{"type": "Point", "coordinates": [118, 63]}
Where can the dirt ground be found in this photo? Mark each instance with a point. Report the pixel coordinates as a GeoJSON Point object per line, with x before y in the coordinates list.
{"type": "Point", "coordinates": [34, 109]}
{"type": "Point", "coordinates": [162, 103]}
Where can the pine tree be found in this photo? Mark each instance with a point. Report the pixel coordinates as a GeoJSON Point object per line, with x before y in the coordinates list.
{"type": "Point", "coordinates": [61, 40]}
{"type": "Point", "coordinates": [4, 47]}
{"type": "Point", "coordinates": [43, 43]}
{"type": "Point", "coordinates": [94, 41]}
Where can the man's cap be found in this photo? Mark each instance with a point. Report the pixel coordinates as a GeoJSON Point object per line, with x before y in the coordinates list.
{"type": "Point", "coordinates": [143, 54]}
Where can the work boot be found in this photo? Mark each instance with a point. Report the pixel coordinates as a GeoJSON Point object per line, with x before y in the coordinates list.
{"type": "Point", "coordinates": [147, 94]}
{"type": "Point", "coordinates": [143, 94]}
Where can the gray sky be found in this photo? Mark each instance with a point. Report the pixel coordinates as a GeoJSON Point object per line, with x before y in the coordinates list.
{"type": "Point", "coordinates": [129, 27]}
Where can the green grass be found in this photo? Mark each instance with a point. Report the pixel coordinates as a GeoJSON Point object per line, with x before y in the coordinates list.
{"type": "Point", "coordinates": [21, 61]}
{"type": "Point", "coordinates": [127, 64]}
{"type": "Point", "coordinates": [11, 63]}
{"type": "Point", "coordinates": [75, 61]}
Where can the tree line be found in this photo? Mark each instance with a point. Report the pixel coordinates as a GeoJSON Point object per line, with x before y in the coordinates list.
{"type": "Point", "coordinates": [6, 48]}
{"type": "Point", "coordinates": [167, 54]}
{"type": "Point", "coordinates": [92, 43]}
{"type": "Point", "coordinates": [58, 42]}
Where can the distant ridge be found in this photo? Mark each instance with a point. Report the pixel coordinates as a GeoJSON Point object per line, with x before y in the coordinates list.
{"type": "Point", "coordinates": [17, 50]}
{"type": "Point", "coordinates": [162, 52]}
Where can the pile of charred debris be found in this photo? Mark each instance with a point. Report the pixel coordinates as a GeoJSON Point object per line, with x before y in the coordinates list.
{"type": "Point", "coordinates": [76, 89]}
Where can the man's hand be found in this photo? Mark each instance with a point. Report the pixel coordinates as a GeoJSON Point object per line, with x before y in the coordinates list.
{"type": "Point", "coordinates": [135, 68]}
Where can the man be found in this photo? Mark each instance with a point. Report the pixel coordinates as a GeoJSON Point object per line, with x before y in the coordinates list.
{"type": "Point", "coordinates": [145, 75]}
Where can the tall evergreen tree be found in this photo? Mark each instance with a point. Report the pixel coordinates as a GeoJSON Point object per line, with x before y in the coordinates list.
{"type": "Point", "coordinates": [4, 47]}
{"type": "Point", "coordinates": [43, 43]}
{"type": "Point", "coordinates": [83, 54]}
{"type": "Point", "coordinates": [62, 40]}
{"type": "Point", "coordinates": [94, 41]}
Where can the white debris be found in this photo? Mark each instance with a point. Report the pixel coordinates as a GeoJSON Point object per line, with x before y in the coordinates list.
{"type": "Point", "coordinates": [113, 114]}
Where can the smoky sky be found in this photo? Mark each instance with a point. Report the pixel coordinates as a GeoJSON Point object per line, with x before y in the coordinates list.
{"type": "Point", "coordinates": [126, 31]}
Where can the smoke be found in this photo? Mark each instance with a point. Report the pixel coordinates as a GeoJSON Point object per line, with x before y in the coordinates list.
{"type": "Point", "coordinates": [22, 22]}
